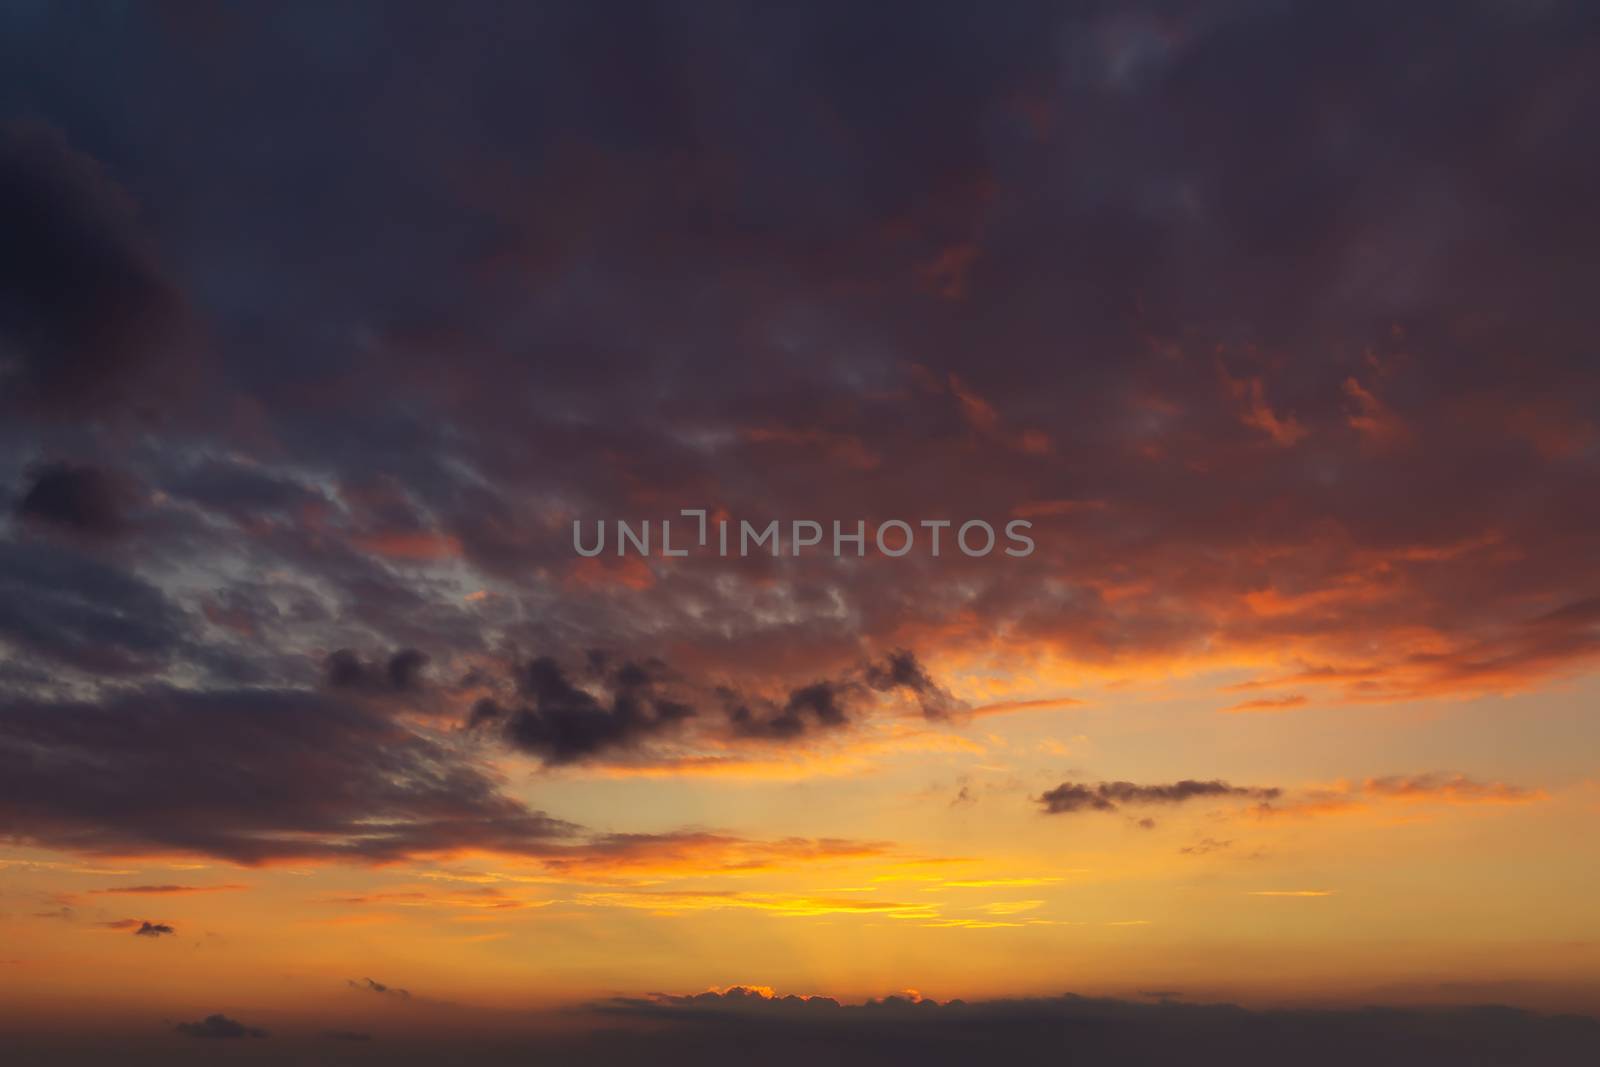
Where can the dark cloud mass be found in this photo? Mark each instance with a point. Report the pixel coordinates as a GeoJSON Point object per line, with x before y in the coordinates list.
{"type": "Point", "coordinates": [84, 305]}
{"type": "Point", "coordinates": [82, 613]}
{"type": "Point", "coordinates": [150, 929]}
{"type": "Point", "coordinates": [76, 497]}
{"type": "Point", "coordinates": [563, 723]}
{"type": "Point", "coordinates": [901, 669]}
{"type": "Point", "coordinates": [247, 776]}
{"type": "Point", "coordinates": [1069, 797]}
{"type": "Point", "coordinates": [1131, 275]}
{"type": "Point", "coordinates": [620, 706]}
{"type": "Point", "coordinates": [401, 673]}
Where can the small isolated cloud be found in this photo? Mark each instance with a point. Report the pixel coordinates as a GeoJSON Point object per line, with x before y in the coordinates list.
{"type": "Point", "coordinates": [1071, 797]}
{"type": "Point", "coordinates": [219, 1026]}
{"type": "Point", "coordinates": [1205, 845]}
{"type": "Point", "coordinates": [378, 987]}
{"type": "Point", "coordinates": [140, 927]}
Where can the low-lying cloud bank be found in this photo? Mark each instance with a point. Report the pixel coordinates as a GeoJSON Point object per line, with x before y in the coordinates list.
{"type": "Point", "coordinates": [741, 1025]}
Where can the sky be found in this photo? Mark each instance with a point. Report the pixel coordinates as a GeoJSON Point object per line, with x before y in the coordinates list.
{"type": "Point", "coordinates": [332, 335]}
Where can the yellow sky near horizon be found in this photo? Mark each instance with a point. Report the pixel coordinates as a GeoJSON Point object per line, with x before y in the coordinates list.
{"type": "Point", "coordinates": [1406, 851]}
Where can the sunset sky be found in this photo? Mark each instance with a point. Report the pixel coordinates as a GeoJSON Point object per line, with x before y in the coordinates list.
{"type": "Point", "coordinates": [321, 326]}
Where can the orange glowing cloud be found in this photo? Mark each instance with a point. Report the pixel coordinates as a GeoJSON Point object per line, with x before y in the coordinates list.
{"type": "Point", "coordinates": [1269, 704]}
{"type": "Point", "coordinates": [1440, 789]}
{"type": "Point", "coordinates": [167, 890]}
{"type": "Point", "coordinates": [415, 546]}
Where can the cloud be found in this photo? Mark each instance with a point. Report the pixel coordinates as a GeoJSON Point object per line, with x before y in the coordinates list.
{"type": "Point", "coordinates": [79, 498]}
{"type": "Point", "coordinates": [562, 723]}
{"type": "Point", "coordinates": [161, 890]}
{"type": "Point", "coordinates": [688, 852]}
{"type": "Point", "coordinates": [220, 1027]}
{"type": "Point", "coordinates": [1449, 788]}
{"type": "Point", "coordinates": [402, 673]}
{"type": "Point", "coordinates": [78, 613]}
{"type": "Point", "coordinates": [1205, 845]}
{"type": "Point", "coordinates": [901, 669]}
{"type": "Point", "coordinates": [1283, 430]}
{"type": "Point", "coordinates": [818, 706]}
{"type": "Point", "coordinates": [1071, 797]}
{"type": "Point", "coordinates": [1439, 789]}
{"type": "Point", "coordinates": [262, 776]}
{"type": "Point", "coordinates": [1186, 518]}
{"type": "Point", "coordinates": [88, 307]}
{"type": "Point", "coordinates": [346, 1035]}
{"type": "Point", "coordinates": [249, 776]}
{"type": "Point", "coordinates": [756, 1024]}
{"type": "Point", "coordinates": [1282, 703]}
{"type": "Point", "coordinates": [379, 988]}
{"type": "Point", "coordinates": [620, 707]}
{"type": "Point", "coordinates": [140, 927]}
{"type": "Point", "coordinates": [1005, 706]}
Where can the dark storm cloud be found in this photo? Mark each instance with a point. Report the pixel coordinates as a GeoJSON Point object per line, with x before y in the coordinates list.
{"type": "Point", "coordinates": [84, 306]}
{"type": "Point", "coordinates": [219, 1026]}
{"type": "Point", "coordinates": [77, 497]}
{"type": "Point", "coordinates": [248, 776]}
{"type": "Point", "coordinates": [1071, 797]}
{"type": "Point", "coordinates": [150, 929]}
